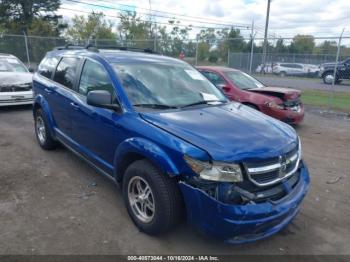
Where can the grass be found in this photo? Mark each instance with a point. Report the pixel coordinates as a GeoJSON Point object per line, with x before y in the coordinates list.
{"type": "Point", "coordinates": [337, 100]}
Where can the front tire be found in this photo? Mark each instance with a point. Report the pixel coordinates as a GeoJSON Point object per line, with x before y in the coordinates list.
{"type": "Point", "coordinates": [42, 133]}
{"type": "Point", "coordinates": [328, 78]}
{"type": "Point", "coordinates": [153, 199]}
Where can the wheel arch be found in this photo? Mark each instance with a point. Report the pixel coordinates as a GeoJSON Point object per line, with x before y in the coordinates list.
{"type": "Point", "coordinates": [41, 103]}
{"type": "Point", "coordinates": [327, 72]}
{"type": "Point", "coordinates": [137, 148]}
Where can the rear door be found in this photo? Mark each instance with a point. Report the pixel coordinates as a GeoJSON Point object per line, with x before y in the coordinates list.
{"type": "Point", "coordinates": [62, 95]}
{"type": "Point", "coordinates": [346, 73]}
{"type": "Point", "coordinates": [45, 86]}
{"type": "Point", "coordinates": [96, 130]}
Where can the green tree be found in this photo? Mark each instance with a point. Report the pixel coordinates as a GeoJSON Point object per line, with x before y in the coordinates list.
{"type": "Point", "coordinates": [132, 27]}
{"type": "Point", "coordinates": [19, 15]}
{"type": "Point", "coordinates": [302, 44]}
{"type": "Point", "coordinates": [178, 35]}
{"type": "Point", "coordinates": [230, 40]}
{"type": "Point", "coordinates": [92, 27]}
{"type": "Point", "coordinates": [327, 47]}
{"type": "Point", "coordinates": [203, 51]}
{"type": "Point", "coordinates": [280, 46]}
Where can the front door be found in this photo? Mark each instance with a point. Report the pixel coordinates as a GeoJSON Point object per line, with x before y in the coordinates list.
{"type": "Point", "coordinates": [96, 130]}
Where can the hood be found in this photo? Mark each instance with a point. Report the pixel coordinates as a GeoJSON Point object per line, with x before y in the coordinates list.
{"type": "Point", "coordinates": [326, 65]}
{"type": "Point", "coordinates": [14, 81]}
{"type": "Point", "coordinates": [230, 132]}
{"type": "Point", "coordinates": [15, 78]}
{"type": "Point", "coordinates": [280, 92]}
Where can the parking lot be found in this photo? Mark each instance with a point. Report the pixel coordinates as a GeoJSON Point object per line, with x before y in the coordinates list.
{"type": "Point", "coordinates": [54, 203]}
{"type": "Point", "coordinates": [302, 83]}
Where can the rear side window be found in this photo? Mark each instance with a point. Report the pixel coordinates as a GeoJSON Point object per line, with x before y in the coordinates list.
{"type": "Point", "coordinates": [47, 66]}
{"type": "Point", "coordinates": [66, 71]}
{"type": "Point", "coordinates": [94, 77]}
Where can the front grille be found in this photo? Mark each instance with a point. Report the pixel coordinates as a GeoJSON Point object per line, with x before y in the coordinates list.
{"type": "Point", "coordinates": [16, 88]}
{"type": "Point", "coordinates": [273, 192]}
{"type": "Point", "coordinates": [292, 103]}
{"type": "Point", "coordinates": [270, 171]}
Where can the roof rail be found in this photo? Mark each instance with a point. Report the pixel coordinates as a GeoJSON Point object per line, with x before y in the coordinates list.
{"type": "Point", "coordinates": [95, 49]}
{"type": "Point", "coordinates": [125, 48]}
{"type": "Point", "coordinates": [72, 46]}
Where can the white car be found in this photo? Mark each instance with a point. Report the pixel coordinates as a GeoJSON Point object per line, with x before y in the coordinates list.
{"type": "Point", "coordinates": [15, 82]}
{"type": "Point", "coordinates": [295, 69]}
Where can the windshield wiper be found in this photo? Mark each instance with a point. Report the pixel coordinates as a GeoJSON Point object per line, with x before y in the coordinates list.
{"type": "Point", "coordinates": [204, 102]}
{"type": "Point", "coordinates": [156, 106]}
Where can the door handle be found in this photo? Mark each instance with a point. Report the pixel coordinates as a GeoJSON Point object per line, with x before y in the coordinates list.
{"type": "Point", "coordinates": [47, 90]}
{"type": "Point", "coordinates": [74, 105]}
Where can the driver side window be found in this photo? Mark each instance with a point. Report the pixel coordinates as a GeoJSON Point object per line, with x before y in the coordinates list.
{"type": "Point", "coordinates": [94, 77]}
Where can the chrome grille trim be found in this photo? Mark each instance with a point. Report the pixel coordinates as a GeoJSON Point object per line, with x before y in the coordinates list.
{"type": "Point", "coordinates": [264, 169]}
{"type": "Point", "coordinates": [294, 160]}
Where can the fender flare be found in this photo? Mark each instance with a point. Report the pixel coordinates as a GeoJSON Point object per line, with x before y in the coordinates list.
{"type": "Point", "coordinates": [41, 102]}
{"type": "Point", "coordinates": [146, 149]}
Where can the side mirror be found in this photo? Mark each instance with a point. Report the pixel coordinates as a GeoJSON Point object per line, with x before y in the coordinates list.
{"type": "Point", "coordinates": [101, 98]}
{"type": "Point", "coordinates": [223, 87]}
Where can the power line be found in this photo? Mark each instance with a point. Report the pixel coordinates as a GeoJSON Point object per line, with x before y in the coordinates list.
{"type": "Point", "coordinates": [176, 14]}
{"type": "Point", "coordinates": [160, 16]}
{"type": "Point", "coordinates": [188, 26]}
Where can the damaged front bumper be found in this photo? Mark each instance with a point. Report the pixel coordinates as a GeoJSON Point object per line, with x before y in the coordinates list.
{"type": "Point", "coordinates": [288, 115]}
{"type": "Point", "coordinates": [243, 223]}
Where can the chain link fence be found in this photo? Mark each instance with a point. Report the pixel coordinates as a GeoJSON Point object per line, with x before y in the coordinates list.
{"type": "Point", "coordinates": [240, 53]}
{"type": "Point", "coordinates": [284, 57]}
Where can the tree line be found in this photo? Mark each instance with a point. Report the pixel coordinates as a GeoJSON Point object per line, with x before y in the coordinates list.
{"type": "Point", "coordinates": [39, 18]}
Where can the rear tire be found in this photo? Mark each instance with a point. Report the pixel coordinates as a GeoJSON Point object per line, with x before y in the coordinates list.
{"type": "Point", "coordinates": [282, 74]}
{"type": "Point", "coordinates": [153, 200]}
{"type": "Point", "coordinates": [42, 133]}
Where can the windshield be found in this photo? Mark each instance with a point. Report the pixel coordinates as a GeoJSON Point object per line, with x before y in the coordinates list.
{"type": "Point", "coordinates": [243, 80]}
{"type": "Point", "coordinates": [166, 85]}
{"type": "Point", "coordinates": [12, 64]}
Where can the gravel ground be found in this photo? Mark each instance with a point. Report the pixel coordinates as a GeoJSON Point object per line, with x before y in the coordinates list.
{"type": "Point", "coordinates": [302, 83]}
{"type": "Point", "coordinates": [54, 203]}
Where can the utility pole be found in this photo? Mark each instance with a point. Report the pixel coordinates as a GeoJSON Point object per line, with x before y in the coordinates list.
{"type": "Point", "coordinates": [197, 38]}
{"type": "Point", "coordinates": [265, 36]}
{"type": "Point", "coordinates": [330, 100]}
{"type": "Point", "coordinates": [252, 36]}
{"type": "Point", "coordinates": [155, 26]}
{"type": "Point", "coordinates": [27, 49]}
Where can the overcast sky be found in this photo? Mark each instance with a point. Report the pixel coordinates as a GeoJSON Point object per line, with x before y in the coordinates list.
{"type": "Point", "coordinates": [287, 17]}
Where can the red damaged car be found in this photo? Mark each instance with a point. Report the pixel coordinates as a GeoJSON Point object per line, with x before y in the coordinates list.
{"type": "Point", "coordinates": [281, 103]}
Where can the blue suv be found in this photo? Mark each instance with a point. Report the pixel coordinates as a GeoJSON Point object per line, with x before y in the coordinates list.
{"type": "Point", "coordinates": [175, 144]}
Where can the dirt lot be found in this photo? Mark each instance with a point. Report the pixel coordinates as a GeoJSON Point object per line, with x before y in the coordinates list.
{"type": "Point", "coordinates": [50, 204]}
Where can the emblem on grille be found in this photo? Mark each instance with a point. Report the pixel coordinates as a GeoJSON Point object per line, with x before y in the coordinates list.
{"type": "Point", "coordinates": [283, 162]}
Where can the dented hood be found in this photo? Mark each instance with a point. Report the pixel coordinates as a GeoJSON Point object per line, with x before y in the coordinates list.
{"type": "Point", "coordinates": [14, 78]}
{"type": "Point", "coordinates": [230, 132]}
{"type": "Point", "coordinates": [281, 92]}
{"type": "Point", "coordinates": [13, 81]}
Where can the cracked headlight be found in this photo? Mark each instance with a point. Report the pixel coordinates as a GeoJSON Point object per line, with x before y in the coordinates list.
{"type": "Point", "coordinates": [273, 104]}
{"type": "Point", "coordinates": [218, 171]}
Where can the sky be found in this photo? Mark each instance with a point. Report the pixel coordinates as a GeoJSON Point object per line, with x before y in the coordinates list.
{"type": "Point", "coordinates": [321, 18]}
